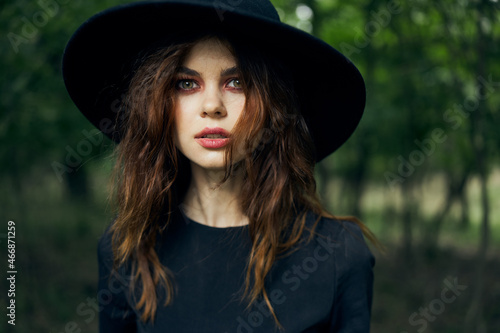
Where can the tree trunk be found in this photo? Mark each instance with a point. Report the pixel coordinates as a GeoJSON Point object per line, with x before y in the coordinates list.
{"type": "Point", "coordinates": [456, 191]}
{"type": "Point", "coordinates": [474, 322]}
{"type": "Point", "coordinates": [464, 205]}
{"type": "Point", "coordinates": [407, 219]}
{"type": "Point", "coordinates": [77, 183]}
{"type": "Point", "coordinates": [322, 181]}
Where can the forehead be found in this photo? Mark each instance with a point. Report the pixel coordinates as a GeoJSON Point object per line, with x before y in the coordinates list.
{"type": "Point", "coordinates": [209, 53]}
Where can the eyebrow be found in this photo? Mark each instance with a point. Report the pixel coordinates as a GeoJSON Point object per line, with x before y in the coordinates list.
{"type": "Point", "coordinates": [187, 71]}
{"type": "Point", "coordinates": [230, 71]}
{"type": "Point", "coordinates": [226, 72]}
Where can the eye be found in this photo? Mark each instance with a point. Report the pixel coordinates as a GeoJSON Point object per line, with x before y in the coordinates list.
{"type": "Point", "coordinates": [235, 83]}
{"type": "Point", "coordinates": [186, 84]}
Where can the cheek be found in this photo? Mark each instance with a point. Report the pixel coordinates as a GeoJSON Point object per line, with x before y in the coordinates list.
{"type": "Point", "coordinates": [181, 115]}
{"type": "Point", "coordinates": [236, 104]}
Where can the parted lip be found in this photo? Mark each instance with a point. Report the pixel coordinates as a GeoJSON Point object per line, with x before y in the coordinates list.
{"type": "Point", "coordinates": [213, 130]}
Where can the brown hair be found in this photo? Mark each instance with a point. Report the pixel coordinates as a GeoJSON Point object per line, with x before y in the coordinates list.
{"type": "Point", "coordinates": [151, 178]}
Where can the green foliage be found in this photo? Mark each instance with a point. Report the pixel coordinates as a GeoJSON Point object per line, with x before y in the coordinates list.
{"type": "Point", "coordinates": [423, 62]}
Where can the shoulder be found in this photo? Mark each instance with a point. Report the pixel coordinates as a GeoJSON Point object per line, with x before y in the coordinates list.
{"type": "Point", "coordinates": [329, 273]}
{"type": "Point", "coordinates": [105, 255]}
{"type": "Point", "coordinates": [342, 238]}
{"type": "Point", "coordinates": [115, 303]}
{"type": "Point", "coordinates": [351, 265]}
{"type": "Point", "coordinates": [337, 228]}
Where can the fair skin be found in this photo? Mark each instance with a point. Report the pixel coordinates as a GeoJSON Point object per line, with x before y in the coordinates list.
{"type": "Point", "coordinates": [209, 97]}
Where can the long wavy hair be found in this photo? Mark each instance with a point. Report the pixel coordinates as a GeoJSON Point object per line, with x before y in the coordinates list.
{"type": "Point", "coordinates": [151, 175]}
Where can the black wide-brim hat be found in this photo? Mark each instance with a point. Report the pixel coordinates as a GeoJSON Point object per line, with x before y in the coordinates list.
{"type": "Point", "coordinates": [330, 89]}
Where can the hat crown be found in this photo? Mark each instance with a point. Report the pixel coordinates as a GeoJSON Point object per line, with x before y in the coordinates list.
{"type": "Point", "coordinates": [257, 8]}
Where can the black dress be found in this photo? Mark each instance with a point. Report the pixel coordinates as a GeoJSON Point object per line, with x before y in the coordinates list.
{"type": "Point", "coordinates": [325, 286]}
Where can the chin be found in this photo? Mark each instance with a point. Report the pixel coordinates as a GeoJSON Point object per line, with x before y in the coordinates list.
{"type": "Point", "coordinates": [208, 160]}
{"type": "Point", "coordinates": [209, 164]}
{"type": "Point", "coordinates": [213, 165]}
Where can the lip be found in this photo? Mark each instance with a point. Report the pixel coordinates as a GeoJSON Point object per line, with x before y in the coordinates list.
{"type": "Point", "coordinates": [213, 130]}
{"type": "Point", "coordinates": [211, 142]}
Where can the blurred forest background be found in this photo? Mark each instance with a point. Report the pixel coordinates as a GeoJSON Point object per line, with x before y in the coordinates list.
{"type": "Point", "coordinates": [422, 170]}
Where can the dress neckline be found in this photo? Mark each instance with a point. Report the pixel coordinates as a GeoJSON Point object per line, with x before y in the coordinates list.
{"type": "Point", "coordinates": [188, 220]}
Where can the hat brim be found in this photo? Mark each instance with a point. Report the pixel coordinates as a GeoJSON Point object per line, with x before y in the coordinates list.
{"type": "Point", "coordinates": [330, 88]}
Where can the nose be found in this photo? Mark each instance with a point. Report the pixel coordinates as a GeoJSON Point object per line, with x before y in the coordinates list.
{"type": "Point", "coordinates": [213, 104]}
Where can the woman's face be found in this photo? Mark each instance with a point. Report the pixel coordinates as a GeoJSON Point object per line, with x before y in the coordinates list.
{"type": "Point", "coordinates": [209, 101]}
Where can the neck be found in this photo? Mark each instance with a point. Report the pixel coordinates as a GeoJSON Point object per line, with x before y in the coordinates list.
{"type": "Point", "coordinates": [212, 204]}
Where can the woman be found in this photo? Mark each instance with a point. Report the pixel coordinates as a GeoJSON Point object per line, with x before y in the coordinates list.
{"type": "Point", "coordinates": [221, 112]}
